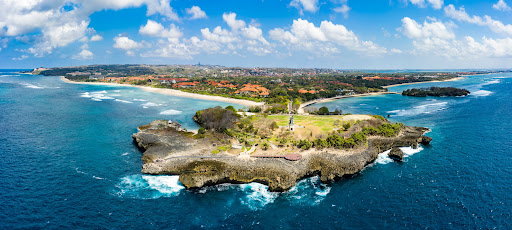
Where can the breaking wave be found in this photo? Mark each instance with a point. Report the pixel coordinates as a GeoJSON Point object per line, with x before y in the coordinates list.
{"type": "Point", "coordinates": [383, 157]}
{"type": "Point", "coordinates": [420, 109]}
{"type": "Point", "coordinates": [481, 93]}
{"type": "Point", "coordinates": [148, 187]}
{"type": "Point", "coordinates": [96, 96]}
{"type": "Point", "coordinates": [171, 112]}
{"type": "Point", "coordinates": [150, 104]}
{"type": "Point", "coordinates": [119, 100]}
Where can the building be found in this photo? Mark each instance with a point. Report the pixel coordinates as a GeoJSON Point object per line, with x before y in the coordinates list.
{"type": "Point", "coordinates": [291, 126]}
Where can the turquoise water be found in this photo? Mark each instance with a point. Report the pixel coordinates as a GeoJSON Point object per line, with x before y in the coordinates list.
{"type": "Point", "coordinates": [68, 161]}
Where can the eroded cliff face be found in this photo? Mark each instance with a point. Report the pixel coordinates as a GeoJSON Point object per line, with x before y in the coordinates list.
{"type": "Point", "coordinates": [169, 151]}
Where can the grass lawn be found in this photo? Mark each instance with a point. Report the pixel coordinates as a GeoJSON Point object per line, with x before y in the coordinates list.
{"type": "Point", "coordinates": [315, 124]}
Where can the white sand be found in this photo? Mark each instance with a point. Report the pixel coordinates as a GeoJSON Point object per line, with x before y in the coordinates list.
{"type": "Point", "coordinates": [174, 92]}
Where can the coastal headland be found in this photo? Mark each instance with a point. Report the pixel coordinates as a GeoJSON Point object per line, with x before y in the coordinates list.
{"type": "Point", "coordinates": [249, 152]}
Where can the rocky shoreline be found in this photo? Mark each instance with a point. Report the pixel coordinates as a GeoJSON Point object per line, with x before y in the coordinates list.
{"type": "Point", "coordinates": [170, 151]}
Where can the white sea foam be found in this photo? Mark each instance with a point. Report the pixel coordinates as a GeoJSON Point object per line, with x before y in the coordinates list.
{"type": "Point", "coordinates": [139, 99]}
{"type": "Point", "coordinates": [420, 109]}
{"type": "Point", "coordinates": [383, 157]}
{"type": "Point", "coordinates": [309, 191]}
{"type": "Point", "coordinates": [481, 93]}
{"type": "Point", "coordinates": [148, 187]}
{"type": "Point", "coordinates": [124, 154]}
{"type": "Point", "coordinates": [171, 112]}
{"type": "Point", "coordinates": [98, 178]}
{"type": "Point", "coordinates": [119, 100]}
{"type": "Point", "coordinates": [258, 195]}
{"type": "Point", "coordinates": [150, 104]}
{"type": "Point", "coordinates": [31, 86]}
{"type": "Point", "coordinates": [96, 96]}
{"type": "Point", "coordinates": [494, 81]}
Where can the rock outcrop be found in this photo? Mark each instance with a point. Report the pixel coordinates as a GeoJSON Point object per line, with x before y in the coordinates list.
{"type": "Point", "coordinates": [396, 154]}
{"type": "Point", "coordinates": [170, 151]}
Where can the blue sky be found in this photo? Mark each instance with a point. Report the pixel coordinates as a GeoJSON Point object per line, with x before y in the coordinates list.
{"type": "Point", "coordinates": [341, 34]}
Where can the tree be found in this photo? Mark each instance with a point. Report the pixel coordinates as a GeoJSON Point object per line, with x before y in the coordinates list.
{"type": "Point", "coordinates": [323, 111]}
{"type": "Point", "coordinates": [274, 126]}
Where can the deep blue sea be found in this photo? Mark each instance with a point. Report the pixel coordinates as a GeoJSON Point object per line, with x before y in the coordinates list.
{"type": "Point", "coordinates": [68, 162]}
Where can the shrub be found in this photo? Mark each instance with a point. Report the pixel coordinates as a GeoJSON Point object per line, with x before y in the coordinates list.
{"type": "Point", "coordinates": [201, 130]}
{"type": "Point", "coordinates": [346, 126]}
{"type": "Point", "coordinates": [323, 111]}
{"type": "Point", "coordinates": [304, 144]}
{"type": "Point", "coordinates": [265, 146]}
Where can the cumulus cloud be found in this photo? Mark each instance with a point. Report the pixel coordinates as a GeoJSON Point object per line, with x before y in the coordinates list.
{"type": "Point", "coordinates": [326, 39]}
{"type": "Point", "coordinates": [195, 12]}
{"type": "Point", "coordinates": [461, 15]}
{"type": "Point", "coordinates": [218, 40]}
{"type": "Point", "coordinates": [96, 38]}
{"type": "Point", "coordinates": [344, 9]}
{"type": "Point", "coordinates": [127, 44]}
{"type": "Point", "coordinates": [63, 22]}
{"type": "Point", "coordinates": [436, 4]}
{"type": "Point", "coordinates": [501, 5]}
{"type": "Point", "coordinates": [230, 19]}
{"type": "Point", "coordinates": [83, 55]}
{"type": "Point", "coordinates": [156, 29]}
{"type": "Point", "coordinates": [436, 38]}
{"type": "Point", "coordinates": [305, 5]}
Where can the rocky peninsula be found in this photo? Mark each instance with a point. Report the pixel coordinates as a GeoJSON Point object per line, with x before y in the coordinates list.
{"type": "Point", "coordinates": [211, 157]}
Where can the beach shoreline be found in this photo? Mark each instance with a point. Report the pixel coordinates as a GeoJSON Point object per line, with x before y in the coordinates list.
{"type": "Point", "coordinates": [174, 92]}
{"type": "Point", "coordinates": [318, 101]}
{"type": "Point", "coordinates": [413, 83]}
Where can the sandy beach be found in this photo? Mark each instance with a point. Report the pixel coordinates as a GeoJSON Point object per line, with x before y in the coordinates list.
{"type": "Point", "coordinates": [306, 104]}
{"type": "Point", "coordinates": [174, 92]}
{"type": "Point", "coordinates": [413, 83]}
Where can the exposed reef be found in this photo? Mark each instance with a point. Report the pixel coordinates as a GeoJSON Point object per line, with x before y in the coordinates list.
{"type": "Point", "coordinates": [170, 150]}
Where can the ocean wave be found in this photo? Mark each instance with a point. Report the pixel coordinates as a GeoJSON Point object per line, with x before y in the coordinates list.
{"type": "Point", "coordinates": [309, 191]}
{"type": "Point", "coordinates": [171, 112]}
{"type": "Point", "coordinates": [148, 187]}
{"type": "Point", "coordinates": [139, 99]}
{"type": "Point", "coordinates": [119, 100]}
{"type": "Point", "coordinates": [257, 195]}
{"type": "Point", "coordinates": [420, 109]}
{"type": "Point", "coordinates": [150, 104]}
{"type": "Point", "coordinates": [383, 157]}
{"type": "Point", "coordinates": [494, 81]}
{"type": "Point", "coordinates": [31, 86]}
{"type": "Point", "coordinates": [96, 96]}
{"type": "Point", "coordinates": [481, 93]}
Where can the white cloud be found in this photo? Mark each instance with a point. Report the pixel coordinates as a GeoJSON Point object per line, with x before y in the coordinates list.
{"type": "Point", "coordinates": [216, 41]}
{"type": "Point", "coordinates": [156, 29]}
{"type": "Point", "coordinates": [307, 5]}
{"type": "Point", "coordinates": [162, 7]}
{"type": "Point", "coordinates": [59, 27]}
{"type": "Point", "coordinates": [124, 43]}
{"type": "Point", "coordinates": [344, 9]}
{"type": "Point", "coordinates": [436, 4]}
{"type": "Point", "coordinates": [461, 15]}
{"type": "Point", "coordinates": [230, 19]}
{"type": "Point", "coordinates": [96, 38]}
{"type": "Point", "coordinates": [501, 5]}
{"type": "Point", "coordinates": [436, 29]}
{"type": "Point", "coordinates": [196, 12]}
{"type": "Point", "coordinates": [436, 38]}
{"type": "Point", "coordinates": [22, 57]}
{"type": "Point", "coordinates": [83, 55]}
{"type": "Point", "coordinates": [323, 40]}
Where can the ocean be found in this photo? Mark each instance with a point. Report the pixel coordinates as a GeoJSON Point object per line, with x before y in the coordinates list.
{"type": "Point", "coordinates": [68, 162]}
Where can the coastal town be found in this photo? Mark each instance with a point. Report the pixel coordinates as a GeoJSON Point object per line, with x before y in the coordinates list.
{"type": "Point", "coordinates": [274, 87]}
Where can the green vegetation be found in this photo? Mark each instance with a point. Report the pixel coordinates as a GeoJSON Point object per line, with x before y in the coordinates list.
{"type": "Point", "coordinates": [436, 92]}
{"type": "Point", "coordinates": [216, 118]}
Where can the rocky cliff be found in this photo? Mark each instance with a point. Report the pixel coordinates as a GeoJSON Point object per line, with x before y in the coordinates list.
{"type": "Point", "coordinates": [170, 151]}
